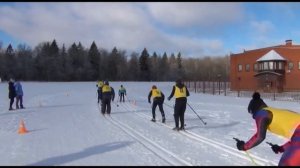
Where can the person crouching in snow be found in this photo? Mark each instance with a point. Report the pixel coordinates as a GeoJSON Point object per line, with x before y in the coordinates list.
{"type": "Point", "coordinates": [158, 99]}
{"type": "Point", "coordinates": [282, 122]}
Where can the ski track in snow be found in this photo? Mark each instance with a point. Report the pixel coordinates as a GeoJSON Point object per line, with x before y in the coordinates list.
{"type": "Point", "coordinates": [230, 151]}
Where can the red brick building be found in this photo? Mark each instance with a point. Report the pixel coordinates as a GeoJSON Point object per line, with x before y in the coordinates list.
{"type": "Point", "coordinates": [270, 69]}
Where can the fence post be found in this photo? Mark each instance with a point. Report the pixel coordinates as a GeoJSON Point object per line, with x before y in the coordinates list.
{"type": "Point", "coordinates": [224, 88]}
{"type": "Point", "coordinates": [213, 87]}
{"type": "Point", "coordinates": [203, 86]}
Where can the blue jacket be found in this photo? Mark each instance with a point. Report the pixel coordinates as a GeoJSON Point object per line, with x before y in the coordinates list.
{"type": "Point", "coordinates": [19, 90]}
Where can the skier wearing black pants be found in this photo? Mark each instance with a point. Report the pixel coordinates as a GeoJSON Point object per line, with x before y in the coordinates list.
{"type": "Point", "coordinates": [181, 93]}
{"type": "Point", "coordinates": [158, 99]}
{"type": "Point", "coordinates": [107, 94]}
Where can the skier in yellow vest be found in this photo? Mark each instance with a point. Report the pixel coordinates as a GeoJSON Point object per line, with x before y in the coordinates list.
{"type": "Point", "coordinates": [99, 86]}
{"type": "Point", "coordinates": [158, 99]}
{"type": "Point", "coordinates": [107, 95]}
{"type": "Point", "coordinates": [181, 93]}
{"type": "Point", "coordinates": [282, 122]}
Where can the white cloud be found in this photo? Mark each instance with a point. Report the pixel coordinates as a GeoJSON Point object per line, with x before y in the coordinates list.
{"type": "Point", "coordinates": [124, 25]}
{"type": "Point", "coordinates": [195, 13]}
{"type": "Point", "coordinates": [262, 27]}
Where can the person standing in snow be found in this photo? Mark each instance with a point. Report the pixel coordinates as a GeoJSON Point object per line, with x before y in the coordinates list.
{"type": "Point", "coordinates": [158, 99]}
{"type": "Point", "coordinates": [107, 95]}
{"type": "Point", "coordinates": [99, 86]}
{"type": "Point", "coordinates": [11, 93]}
{"type": "Point", "coordinates": [122, 93]}
{"type": "Point", "coordinates": [181, 93]}
{"type": "Point", "coordinates": [282, 122]}
{"type": "Point", "coordinates": [19, 95]}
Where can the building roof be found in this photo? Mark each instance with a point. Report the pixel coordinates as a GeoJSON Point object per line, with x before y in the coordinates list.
{"type": "Point", "coordinates": [271, 55]}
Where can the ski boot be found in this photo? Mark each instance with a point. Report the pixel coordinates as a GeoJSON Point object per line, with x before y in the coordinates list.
{"type": "Point", "coordinates": [153, 119]}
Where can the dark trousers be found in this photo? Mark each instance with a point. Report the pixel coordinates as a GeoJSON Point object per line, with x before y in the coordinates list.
{"type": "Point", "coordinates": [11, 102]}
{"type": "Point", "coordinates": [159, 103]}
{"type": "Point", "coordinates": [19, 99]}
{"type": "Point", "coordinates": [179, 110]}
{"type": "Point", "coordinates": [122, 95]}
{"type": "Point", "coordinates": [99, 99]}
{"type": "Point", "coordinates": [105, 106]}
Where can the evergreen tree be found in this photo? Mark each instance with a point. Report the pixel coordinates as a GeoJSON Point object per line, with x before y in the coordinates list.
{"type": "Point", "coordinates": [180, 70]}
{"type": "Point", "coordinates": [144, 66]}
{"type": "Point", "coordinates": [94, 61]}
{"type": "Point", "coordinates": [10, 62]}
{"type": "Point", "coordinates": [24, 63]}
{"type": "Point", "coordinates": [164, 68]}
{"type": "Point", "coordinates": [133, 67]}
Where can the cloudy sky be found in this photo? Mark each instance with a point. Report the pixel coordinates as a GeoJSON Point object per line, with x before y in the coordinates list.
{"type": "Point", "coordinates": [195, 29]}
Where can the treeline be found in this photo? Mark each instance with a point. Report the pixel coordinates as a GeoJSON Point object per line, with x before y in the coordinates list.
{"type": "Point", "coordinates": [48, 62]}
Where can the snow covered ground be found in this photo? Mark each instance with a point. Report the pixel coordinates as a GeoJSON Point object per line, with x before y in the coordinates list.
{"type": "Point", "coordinates": [66, 128]}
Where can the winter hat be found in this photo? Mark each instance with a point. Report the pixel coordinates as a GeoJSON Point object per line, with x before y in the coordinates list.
{"type": "Point", "coordinates": [256, 96]}
{"type": "Point", "coordinates": [106, 82]}
{"type": "Point", "coordinates": [178, 81]}
{"type": "Point", "coordinates": [154, 87]}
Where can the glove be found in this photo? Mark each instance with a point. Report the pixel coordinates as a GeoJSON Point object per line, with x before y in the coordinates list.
{"type": "Point", "coordinates": [169, 98]}
{"type": "Point", "coordinates": [149, 101]}
{"type": "Point", "coordinates": [277, 149]}
{"type": "Point", "coordinates": [240, 145]}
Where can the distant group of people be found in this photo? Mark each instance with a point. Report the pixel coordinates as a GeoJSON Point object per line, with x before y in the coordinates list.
{"type": "Point", "coordinates": [106, 94]}
{"type": "Point", "coordinates": [15, 90]}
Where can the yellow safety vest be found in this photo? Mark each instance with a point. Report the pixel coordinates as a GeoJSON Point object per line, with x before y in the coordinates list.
{"type": "Point", "coordinates": [100, 84]}
{"type": "Point", "coordinates": [106, 88]}
{"type": "Point", "coordinates": [156, 93]}
{"type": "Point", "coordinates": [180, 92]}
{"type": "Point", "coordinates": [284, 121]}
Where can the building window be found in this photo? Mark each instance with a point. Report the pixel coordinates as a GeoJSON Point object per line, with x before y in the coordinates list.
{"type": "Point", "coordinates": [291, 65]}
{"type": "Point", "coordinates": [266, 66]}
{"type": "Point", "coordinates": [280, 66]}
{"type": "Point", "coordinates": [261, 66]}
{"type": "Point", "coordinates": [240, 67]}
{"type": "Point", "coordinates": [255, 67]}
{"type": "Point", "coordinates": [271, 65]}
{"type": "Point", "coordinates": [247, 67]}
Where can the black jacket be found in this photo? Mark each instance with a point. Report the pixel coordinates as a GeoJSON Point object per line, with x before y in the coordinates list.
{"type": "Point", "coordinates": [256, 105]}
{"type": "Point", "coordinates": [180, 85]}
{"type": "Point", "coordinates": [162, 98]}
{"type": "Point", "coordinates": [107, 95]}
{"type": "Point", "coordinates": [11, 90]}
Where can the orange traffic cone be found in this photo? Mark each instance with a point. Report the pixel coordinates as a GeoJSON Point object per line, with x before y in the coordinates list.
{"type": "Point", "coordinates": [22, 129]}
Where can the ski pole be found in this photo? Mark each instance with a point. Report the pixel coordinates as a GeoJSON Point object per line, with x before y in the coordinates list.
{"type": "Point", "coordinates": [247, 153]}
{"type": "Point", "coordinates": [127, 98]}
{"type": "Point", "coordinates": [196, 114]}
{"type": "Point", "coordinates": [269, 143]}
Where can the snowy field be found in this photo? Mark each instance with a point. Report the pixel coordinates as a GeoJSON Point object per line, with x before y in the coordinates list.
{"type": "Point", "coordinates": [66, 128]}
